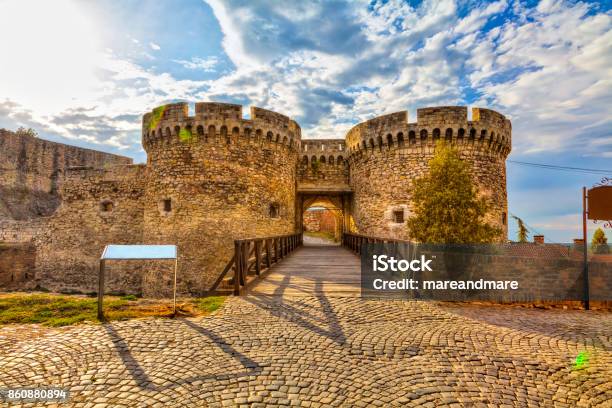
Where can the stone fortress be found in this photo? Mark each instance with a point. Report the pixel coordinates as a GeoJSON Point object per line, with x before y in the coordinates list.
{"type": "Point", "coordinates": [215, 177]}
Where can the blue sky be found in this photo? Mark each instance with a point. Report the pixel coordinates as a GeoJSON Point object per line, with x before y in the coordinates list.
{"type": "Point", "coordinates": [84, 72]}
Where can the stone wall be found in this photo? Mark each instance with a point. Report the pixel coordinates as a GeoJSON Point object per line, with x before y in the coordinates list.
{"type": "Point", "coordinates": [539, 279]}
{"type": "Point", "coordinates": [387, 153]}
{"type": "Point", "coordinates": [320, 220]}
{"type": "Point", "coordinates": [323, 164]}
{"type": "Point", "coordinates": [312, 221]}
{"type": "Point", "coordinates": [17, 231]}
{"type": "Point", "coordinates": [31, 171]}
{"type": "Point", "coordinates": [99, 207]}
{"type": "Point", "coordinates": [328, 222]}
{"type": "Point", "coordinates": [17, 265]}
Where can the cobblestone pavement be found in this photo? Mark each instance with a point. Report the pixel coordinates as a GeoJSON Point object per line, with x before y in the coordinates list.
{"type": "Point", "coordinates": [318, 351]}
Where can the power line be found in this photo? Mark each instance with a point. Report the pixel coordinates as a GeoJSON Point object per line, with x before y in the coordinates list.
{"type": "Point", "coordinates": [562, 168]}
{"type": "Point", "coordinates": [529, 227]}
{"type": "Point", "coordinates": [531, 230]}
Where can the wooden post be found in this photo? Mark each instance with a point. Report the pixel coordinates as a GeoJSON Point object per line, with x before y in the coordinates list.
{"type": "Point", "coordinates": [584, 251]}
{"type": "Point", "coordinates": [244, 251]}
{"type": "Point", "coordinates": [257, 257]}
{"type": "Point", "coordinates": [268, 256]}
{"type": "Point", "coordinates": [275, 250]}
{"type": "Point", "coordinates": [174, 295]}
{"type": "Point", "coordinates": [237, 267]}
{"type": "Point", "coordinates": [100, 290]}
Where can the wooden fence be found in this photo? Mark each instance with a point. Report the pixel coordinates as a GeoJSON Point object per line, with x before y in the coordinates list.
{"type": "Point", "coordinates": [354, 241]}
{"type": "Point", "coordinates": [253, 257]}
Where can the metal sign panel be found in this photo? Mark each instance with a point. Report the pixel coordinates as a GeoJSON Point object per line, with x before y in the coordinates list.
{"type": "Point", "coordinates": [599, 204]}
{"type": "Point", "coordinates": [139, 252]}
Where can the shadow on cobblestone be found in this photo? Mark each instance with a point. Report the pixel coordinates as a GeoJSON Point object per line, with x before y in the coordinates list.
{"type": "Point", "coordinates": [220, 342]}
{"type": "Point", "coordinates": [279, 307]}
{"type": "Point", "coordinates": [144, 382]}
{"type": "Point", "coordinates": [123, 349]}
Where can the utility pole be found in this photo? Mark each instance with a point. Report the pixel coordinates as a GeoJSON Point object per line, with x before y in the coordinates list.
{"type": "Point", "coordinates": [584, 248]}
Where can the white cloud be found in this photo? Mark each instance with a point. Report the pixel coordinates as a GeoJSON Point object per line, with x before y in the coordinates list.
{"type": "Point", "coordinates": [48, 63]}
{"type": "Point", "coordinates": [478, 17]}
{"type": "Point", "coordinates": [330, 65]}
{"type": "Point", "coordinates": [561, 85]}
{"type": "Point", "coordinates": [427, 55]}
{"type": "Point", "coordinates": [205, 64]}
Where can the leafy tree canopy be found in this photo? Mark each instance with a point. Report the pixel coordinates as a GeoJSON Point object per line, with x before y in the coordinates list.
{"type": "Point", "coordinates": [26, 132]}
{"type": "Point", "coordinates": [599, 243]}
{"type": "Point", "coordinates": [446, 206]}
{"type": "Point", "coordinates": [522, 229]}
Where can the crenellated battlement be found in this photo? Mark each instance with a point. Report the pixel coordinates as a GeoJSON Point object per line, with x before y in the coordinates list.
{"type": "Point", "coordinates": [488, 131]}
{"type": "Point", "coordinates": [218, 111]}
{"type": "Point", "coordinates": [107, 173]}
{"type": "Point", "coordinates": [213, 176]}
{"type": "Point", "coordinates": [218, 123]}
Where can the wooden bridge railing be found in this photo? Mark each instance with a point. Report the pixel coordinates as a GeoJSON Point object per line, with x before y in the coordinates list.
{"type": "Point", "coordinates": [354, 241]}
{"type": "Point", "coordinates": [254, 256]}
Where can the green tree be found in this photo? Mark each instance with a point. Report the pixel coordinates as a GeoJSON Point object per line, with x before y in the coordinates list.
{"type": "Point", "coordinates": [21, 131]}
{"type": "Point", "coordinates": [446, 206]}
{"type": "Point", "coordinates": [522, 229]}
{"type": "Point", "coordinates": [599, 243]}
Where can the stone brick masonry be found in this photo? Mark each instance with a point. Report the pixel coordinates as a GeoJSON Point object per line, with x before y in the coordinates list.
{"type": "Point", "coordinates": [320, 220]}
{"type": "Point", "coordinates": [215, 177]}
{"type": "Point", "coordinates": [32, 169]}
{"type": "Point", "coordinates": [32, 174]}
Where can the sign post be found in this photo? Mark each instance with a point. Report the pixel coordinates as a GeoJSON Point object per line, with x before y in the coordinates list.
{"type": "Point", "coordinates": [584, 248]}
{"type": "Point", "coordinates": [174, 290]}
{"type": "Point", "coordinates": [100, 289]}
{"type": "Point", "coordinates": [596, 205]}
{"type": "Point", "coordinates": [139, 252]}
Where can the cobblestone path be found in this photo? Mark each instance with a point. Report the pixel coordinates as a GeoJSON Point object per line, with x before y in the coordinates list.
{"type": "Point", "coordinates": [318, 351]}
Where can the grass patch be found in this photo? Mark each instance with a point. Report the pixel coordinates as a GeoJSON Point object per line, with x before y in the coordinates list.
{"type": "Point", "coordinates": [208, 304]}
{"type": "Point", "coordinates": [51, 310]}
{"type": "Point", "coordinates": [129, 297]}
{"type": "Point", "coordinates": [62, 310]}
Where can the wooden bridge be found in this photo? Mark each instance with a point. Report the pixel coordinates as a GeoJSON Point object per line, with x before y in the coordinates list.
{"type": "Point", "coordinates": [284, 266]}
{"type": "Point", "coordinates": [312, 270]}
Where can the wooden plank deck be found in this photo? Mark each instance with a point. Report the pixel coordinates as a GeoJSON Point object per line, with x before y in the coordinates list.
{"type": "Point", "coordinates": [313, 270]}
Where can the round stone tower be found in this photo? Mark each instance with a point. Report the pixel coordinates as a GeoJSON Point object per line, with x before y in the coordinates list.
{"type": "Point", "coordinates": [387, 153]}
{"type": "Point", "coordinates": [212, 178]}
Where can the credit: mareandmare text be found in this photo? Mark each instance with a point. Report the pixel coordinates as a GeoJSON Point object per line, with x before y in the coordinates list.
{"type": "Point", "coordinates": [385, 263]}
